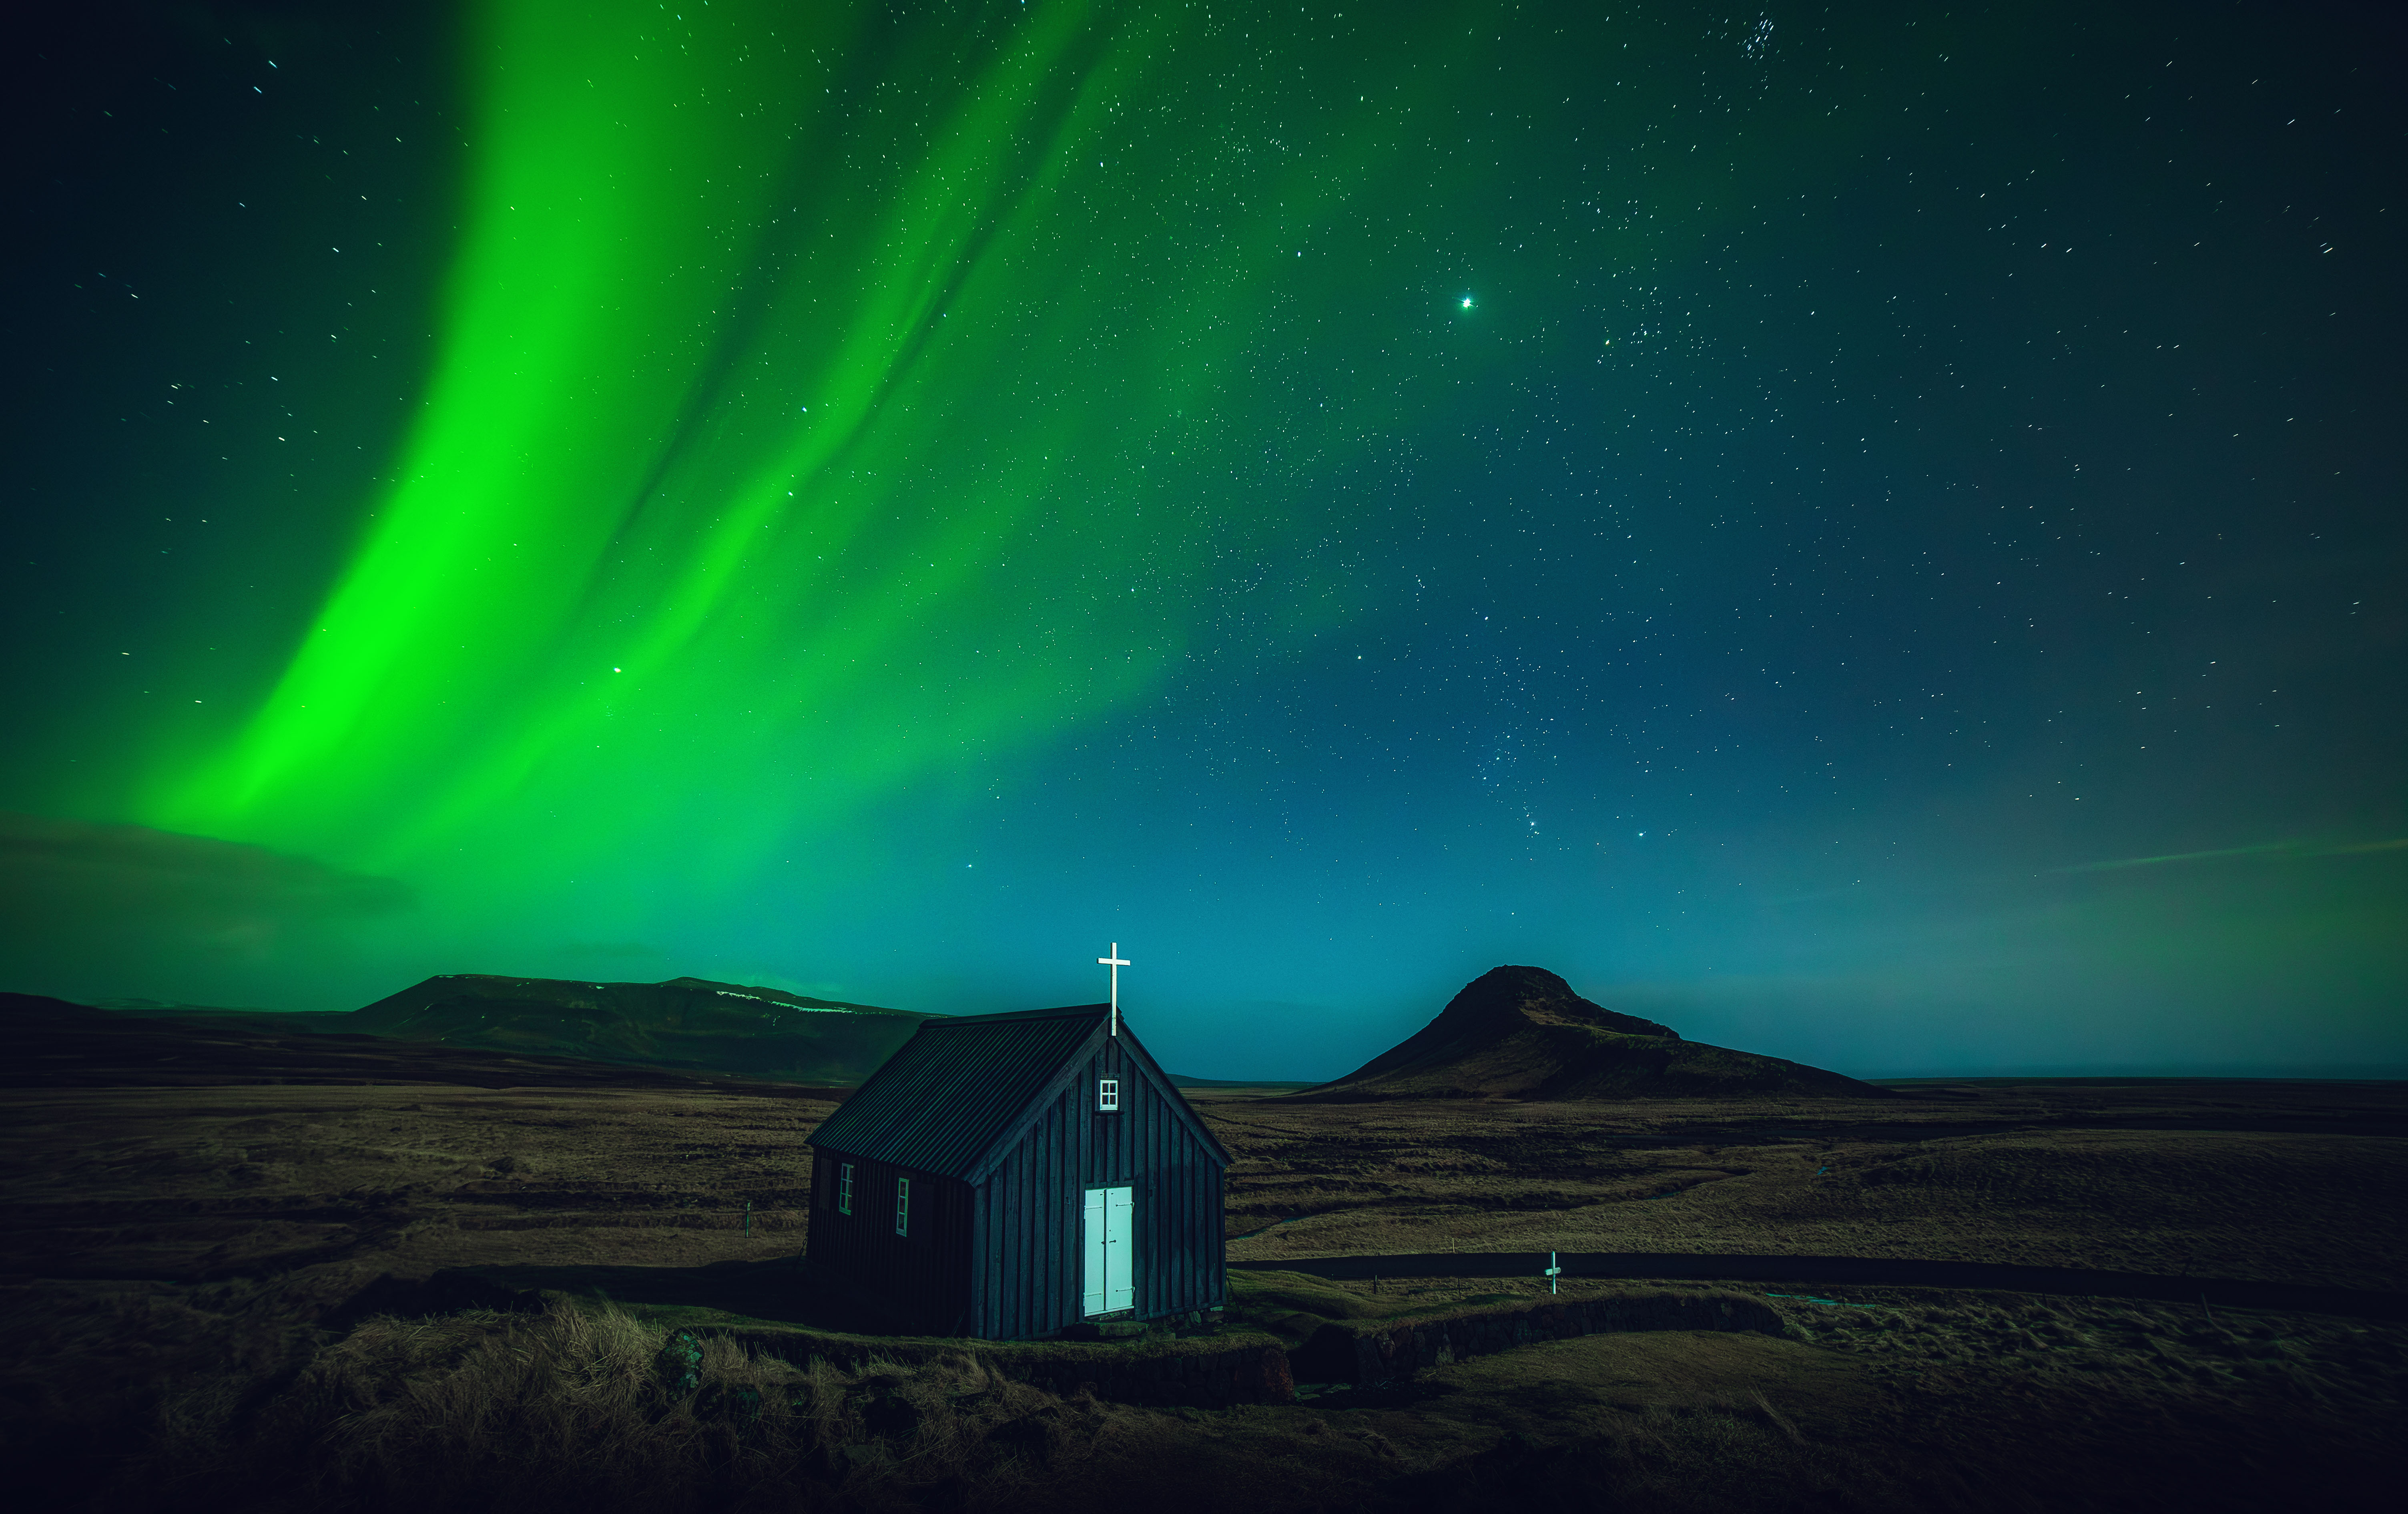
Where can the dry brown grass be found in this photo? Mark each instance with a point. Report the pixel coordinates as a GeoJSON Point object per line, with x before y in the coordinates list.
{"type": "Point", "coordinates": [1901, 1400]}
{"type": "Point", "coordinates": [1878, 1180]}
{"type": "Point", "coordinates": [2102, 1408]}
{"type": "Point", "coordinates": [2343, 1367]}
{"type": "Point", "coordinates": [190, 1182]}
{"type": "Point", "coordinates": [586, 1407]}
{"type": "Point", "coordinates": [174, 1260]}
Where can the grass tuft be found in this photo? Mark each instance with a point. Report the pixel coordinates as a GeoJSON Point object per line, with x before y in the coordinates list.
{"type": "Point", "coordinates": [585, 1407]}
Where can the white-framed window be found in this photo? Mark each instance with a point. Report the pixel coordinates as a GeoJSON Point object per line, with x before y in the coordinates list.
{"type": "Point", "coordinates": [844, 1188]}
{"type": "Point", "coordinates": [1107, 1095]}
{"type": "Point", "coordinates": [902, 1206]}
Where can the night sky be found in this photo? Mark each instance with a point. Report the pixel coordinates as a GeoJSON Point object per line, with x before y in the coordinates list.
{"type": "Point", "coordinates": [1870, 533]}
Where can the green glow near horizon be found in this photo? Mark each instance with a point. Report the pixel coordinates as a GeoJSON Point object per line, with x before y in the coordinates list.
{"type": "Point", "coordinates": [800, 429]}
{"type": "Point", "coordinates": [2268, 849]}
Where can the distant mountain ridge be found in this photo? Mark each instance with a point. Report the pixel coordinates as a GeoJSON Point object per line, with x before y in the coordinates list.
{"type": "Point", "coordinates": [58, 1043]}
{"type": "Point", "coordinates": [688, 1025]}
{"type": "Point", "coordinates": [684, 1023]}
{"type": "Point", "coordinates": [1520, 1032]}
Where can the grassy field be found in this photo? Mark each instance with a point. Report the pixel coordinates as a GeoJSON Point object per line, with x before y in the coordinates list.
{"type": "Point", "coordinates": [1918, 1402]}
{"type": "Point", "coordinates": [190, 1277]}
{"type": "Point", "coordinates": [2241, 1181]}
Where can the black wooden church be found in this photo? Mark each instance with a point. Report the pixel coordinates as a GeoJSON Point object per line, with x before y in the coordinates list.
{"type": "Point", "coordinates": [1007, 1175]}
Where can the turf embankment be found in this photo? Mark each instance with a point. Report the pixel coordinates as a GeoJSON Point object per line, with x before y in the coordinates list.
{"type": "Point", "coordinates": [1286, 1328]}
{"type": "Point", "coordinates": [1367, 1354]}
{"type": "Point", "coordinates": [2225, 1293]}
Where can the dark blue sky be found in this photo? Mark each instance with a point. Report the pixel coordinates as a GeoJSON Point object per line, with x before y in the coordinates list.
{"type": "Point", "coordinates": [1905, 485]}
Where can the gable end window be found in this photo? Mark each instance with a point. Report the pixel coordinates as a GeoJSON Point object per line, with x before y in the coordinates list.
{"type": "Point", "coordinates": [1107, 1095]}
{"type": "Point", "coordinates": [844, 1188]}
{"type": "Point", "coordinates": [902, 1206]}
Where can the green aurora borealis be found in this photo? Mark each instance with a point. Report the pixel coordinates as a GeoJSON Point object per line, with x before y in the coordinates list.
{"type": "Point", "coordinates": [733, 456]}
{"type": "Point", "coordinates": [874, 496]}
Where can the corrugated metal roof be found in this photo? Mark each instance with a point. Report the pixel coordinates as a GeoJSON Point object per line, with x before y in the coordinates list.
{"type": "Point", "coordinates": [963, 1083]}
{"type": "Point", "coordinates": [1135, 1059]}
{"type": "Point", "coordinates": [941, 1100]}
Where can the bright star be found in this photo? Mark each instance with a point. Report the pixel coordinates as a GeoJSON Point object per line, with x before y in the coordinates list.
{"type": "Point", "coordinates": [1467, 302]}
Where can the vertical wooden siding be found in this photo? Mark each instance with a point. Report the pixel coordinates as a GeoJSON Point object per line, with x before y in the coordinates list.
{"type": "Point", "coordinates": [925, 1276]}
{"type": "Point", "coordinates": [1025, 1229]}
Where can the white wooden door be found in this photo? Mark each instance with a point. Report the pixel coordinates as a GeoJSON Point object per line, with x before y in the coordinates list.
{"type": "Point", "coordinates": [1120, 1256]}
{"type": "Point", "coordinates": [1090, 1292]}
{"type": "Point", "coordinates": [1108, 1282]}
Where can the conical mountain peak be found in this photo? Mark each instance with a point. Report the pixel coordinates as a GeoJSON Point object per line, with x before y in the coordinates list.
{"type": "Point", "coordinates": [1521, 1032]}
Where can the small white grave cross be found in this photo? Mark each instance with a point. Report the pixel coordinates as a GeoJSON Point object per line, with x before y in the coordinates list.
{"type": "Point", "coordinates": [1553, 1272]}
{"type": "Point", "coordinates": [1115, 961]}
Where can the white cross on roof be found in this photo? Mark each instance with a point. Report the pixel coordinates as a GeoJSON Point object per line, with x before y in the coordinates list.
{"type": "Point", "coordinates": [1115, 961]}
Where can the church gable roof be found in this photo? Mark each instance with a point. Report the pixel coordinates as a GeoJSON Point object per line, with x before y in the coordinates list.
{"type": "Point", "coordinates": [964, 1085]}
